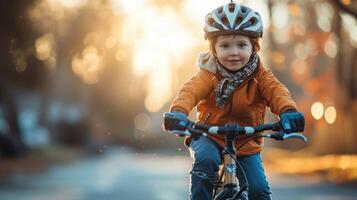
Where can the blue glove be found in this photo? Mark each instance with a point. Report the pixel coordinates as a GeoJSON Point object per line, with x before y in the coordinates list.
{"type": "Point", "coordinates": [175, 121]}
{"type": "Point", "coordinates": [292, 121]}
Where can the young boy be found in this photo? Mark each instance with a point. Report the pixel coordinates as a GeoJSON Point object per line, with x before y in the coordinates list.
{"type": "Point", "coordinates": [232, 87]}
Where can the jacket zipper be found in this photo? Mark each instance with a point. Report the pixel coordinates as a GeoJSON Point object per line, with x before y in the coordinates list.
{"type": "Point", "coordinates": [230, 109]}
{"type": "Point", "coordinates": [207, 116]}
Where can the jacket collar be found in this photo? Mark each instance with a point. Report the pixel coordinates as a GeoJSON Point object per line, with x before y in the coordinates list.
{"type": "Point", "coordinates": [207, 61]}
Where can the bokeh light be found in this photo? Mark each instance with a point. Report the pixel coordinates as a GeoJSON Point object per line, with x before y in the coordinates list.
{"type": "Point", "coordinates": [44, 46]}
{"type": "Point", "coordinates": [317, 110]}
{"type": "Point", "coordinates": [280, 15]}
{"type": "Point", "coordinates": [88, 65]}
{"type": "Point", "coordinates": [330, 114]}
{"type": "Point", "coordinates": [346, 2]}
{"type": "Point", "coordinates": [299, 67]}
{"type": "Point", "coordinates": [330, 47]}
{"type": "Point", "coordinates": [142, 122]}
{"type": "Point", "coordinates": [350, 24]}
{"type": "Point", "coordinates": [325, 13]}
{"type": "Point", "coordinates": [110, 42]}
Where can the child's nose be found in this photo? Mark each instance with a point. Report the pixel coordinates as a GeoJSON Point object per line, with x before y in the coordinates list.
{"type": "Point", "coordinates": [234, 51]}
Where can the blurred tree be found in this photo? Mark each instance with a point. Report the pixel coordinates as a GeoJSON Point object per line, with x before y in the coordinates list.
{"type": "Point", "coordinates": [87, 74]}
{"type": "Point", "coordinates": [347, 6]}
{"type": "Point", "coordinates": [42, 43]}
{"type": "Point", "coordinates": [346, 75]}
{"type": "Point", "coordinates": [313, 51]}
{"type": "Point", "coordinates": [346, 56]}
{"type": "Point", "coordinates": [19, 69]}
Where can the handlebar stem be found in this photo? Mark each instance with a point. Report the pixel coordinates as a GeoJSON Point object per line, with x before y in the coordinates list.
{"type": "Point", "coordinates": [230, 143]}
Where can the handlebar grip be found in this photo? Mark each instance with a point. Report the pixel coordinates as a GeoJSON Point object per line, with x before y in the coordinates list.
{"type": "Point", "coordinates": [173, 122]}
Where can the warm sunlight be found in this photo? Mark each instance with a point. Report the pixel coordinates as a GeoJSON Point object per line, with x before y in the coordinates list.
{"type": "Point", "coordinates": [89, 91]}
{"type": "Point", "coordinates": [67, 3]}
{"type": "Point", "coordinates": [161, 41]}
{"type": "Point", "coordinates": [157, 42]}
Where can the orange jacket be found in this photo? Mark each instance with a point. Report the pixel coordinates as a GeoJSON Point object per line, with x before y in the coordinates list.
{"type": "Point", "coordinates": [247, 104]}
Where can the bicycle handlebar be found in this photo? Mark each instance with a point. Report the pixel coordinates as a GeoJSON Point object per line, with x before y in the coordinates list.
{"type": "Point", "coordinates": [193, 128]}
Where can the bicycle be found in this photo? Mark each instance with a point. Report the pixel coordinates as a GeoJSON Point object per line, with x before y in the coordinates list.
{"type": "Point", "coordinates": [227, 185]}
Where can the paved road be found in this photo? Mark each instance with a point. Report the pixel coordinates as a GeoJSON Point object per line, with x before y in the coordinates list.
{"type": "Point", "coordinates": [123, 175]}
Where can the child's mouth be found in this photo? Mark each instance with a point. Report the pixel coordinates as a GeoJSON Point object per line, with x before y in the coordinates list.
{"type": "Point", "coordinates": [233, 61]}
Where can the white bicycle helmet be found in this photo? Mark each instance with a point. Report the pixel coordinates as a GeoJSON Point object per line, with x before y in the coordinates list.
{"type": "Point", "coordinates": [233, 18]}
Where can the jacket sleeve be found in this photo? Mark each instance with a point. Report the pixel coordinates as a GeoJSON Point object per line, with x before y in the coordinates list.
{"type": "Point", "coordinates": [276, 95]}
{"type": "Point", "coordinates": [197, 88]}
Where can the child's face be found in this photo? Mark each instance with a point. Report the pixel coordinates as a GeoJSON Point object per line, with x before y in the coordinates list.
{"type": "Point", "coordinates": [233, 51]}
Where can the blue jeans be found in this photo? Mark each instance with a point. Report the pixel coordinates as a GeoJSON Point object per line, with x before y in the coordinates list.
{"type": "Point", "coordinates": [206, 156]}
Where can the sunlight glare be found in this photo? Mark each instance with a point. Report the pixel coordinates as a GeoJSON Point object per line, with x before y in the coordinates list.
{"type": "Point", "coordinates": [127, 6]}
{"type": "Point", "coordinates": [120, 55]}
{"type": "Point", "coordinates": [157, 42]}
{"type": "Point", "coordinates": [67, 3]}
{"type": "Point", "coordinates": [161, 37]}
{"type": "Point", "coordinates": [197, 10]}
{"type": "Point", "coordinates": [110, 42]}
{"type": "Point", "coordinates": [159, 88]}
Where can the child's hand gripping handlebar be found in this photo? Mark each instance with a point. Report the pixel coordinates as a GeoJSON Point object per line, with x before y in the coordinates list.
{"type": "Point", "coordinates": [189, 128]}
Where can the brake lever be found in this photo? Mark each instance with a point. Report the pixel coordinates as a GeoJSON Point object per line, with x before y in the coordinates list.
{"type": "Point", "coordinates": [181, 133]}
{"type": "Point", "coordinates": [295, 135]}
{"type": "Point", "coordinates": [188, 132]}
{"type": "Point", "coordinates": [195, 134]}
{"type": "Point", "coordinates": [282, 136]}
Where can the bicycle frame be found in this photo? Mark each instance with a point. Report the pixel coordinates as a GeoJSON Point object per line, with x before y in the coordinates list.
{"type": "Point", "coordinates": [231, 190]}
{"type": "Point", "coordinates": [230, 183]}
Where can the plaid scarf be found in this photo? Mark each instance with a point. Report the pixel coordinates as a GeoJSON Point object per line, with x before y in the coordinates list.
{"type": "Point", "coordinates": [230, 81]}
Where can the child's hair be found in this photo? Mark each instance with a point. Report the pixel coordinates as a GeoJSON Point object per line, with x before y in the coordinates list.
{"type": "Point", "coordinates": [254, 41]}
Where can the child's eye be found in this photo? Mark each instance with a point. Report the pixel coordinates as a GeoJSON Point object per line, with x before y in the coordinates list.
{"type": "Point", "coordinates": [242, 45]}
{"type": "Point", "coordinates": [224, 46]}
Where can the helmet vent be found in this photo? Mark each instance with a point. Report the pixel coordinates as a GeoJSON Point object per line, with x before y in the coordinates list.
{"type": "Point", "coordinates": [238, 20]}
{"type": "Point", "coordinates": [220, 10]}
{"type": "Point", "coordinates": [233, 18]}
{"type": "Point", "coordinates": [224, 20]}
{"type": "Point", "coordinates": [231, 7]}
{"type": "Point", "coordinates": [210, 21]}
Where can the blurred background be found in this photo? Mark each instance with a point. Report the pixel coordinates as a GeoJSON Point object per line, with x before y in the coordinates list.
{"type": "Point", "coordinates": [84, 84]}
